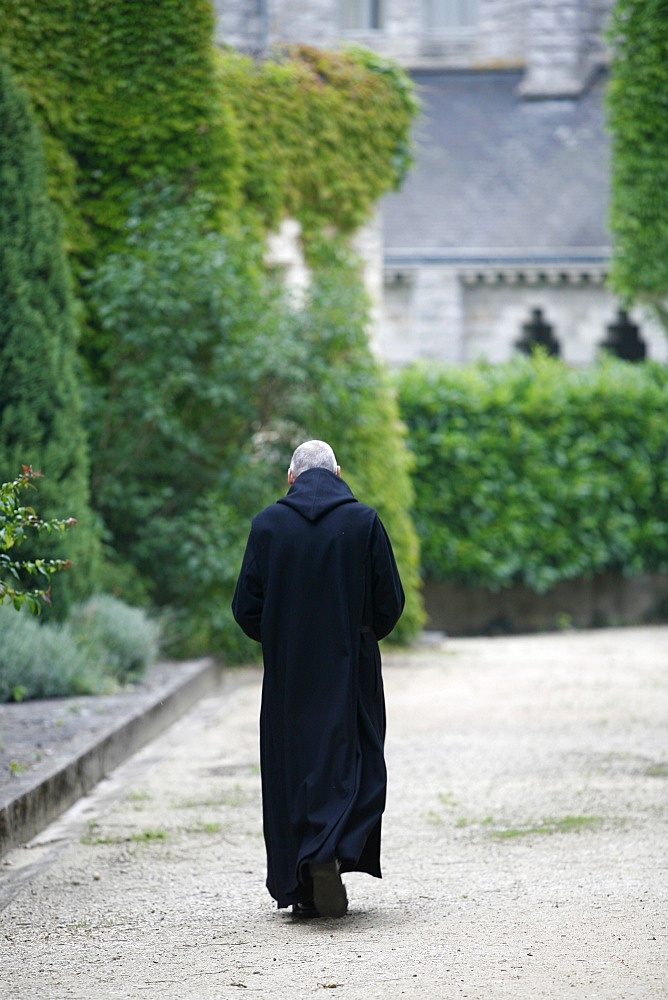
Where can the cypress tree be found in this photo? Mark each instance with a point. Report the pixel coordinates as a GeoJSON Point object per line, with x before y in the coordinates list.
{"type": "Point", "coordinates": [40, 403]}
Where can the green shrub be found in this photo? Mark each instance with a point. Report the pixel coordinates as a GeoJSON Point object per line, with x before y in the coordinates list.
{"type": "Point", "coordinates": [44, 661]}
{"type": "Point", "coordinates": [125, 638]}
{"type": "Point", "coordinates": [194, 363]}
{"type": "Point", "coordinates": [104, 643]}
{"type": "Point", "coordinates": [25, 581]}
{"type": "Point", "coordinates": [532, 473]}
{"type": "Point", "coordinates": [214, 379]}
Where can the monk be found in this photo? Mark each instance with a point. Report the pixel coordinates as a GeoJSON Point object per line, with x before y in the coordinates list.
{"type": "Point", "coordinates": [318, 588]}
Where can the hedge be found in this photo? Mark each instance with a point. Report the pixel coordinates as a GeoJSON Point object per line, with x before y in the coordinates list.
{"type": "Point", "coordinates": [40, 399]}
{"type": "Point", "coordinates": [533, 473]}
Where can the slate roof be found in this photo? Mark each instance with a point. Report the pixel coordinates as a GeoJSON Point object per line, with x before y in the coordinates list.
{"type": "Point", "coordinates": [501, 177]}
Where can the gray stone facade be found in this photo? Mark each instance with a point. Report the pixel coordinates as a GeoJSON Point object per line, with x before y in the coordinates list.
{"type": "Point", "coordinates": [564, 46]}
{"type": "Point", "coordinates": [505, 210]}
{"type": "Point", "coordinates": [456, 314]}
{"type": "Point", "coordinates": [559, 42]}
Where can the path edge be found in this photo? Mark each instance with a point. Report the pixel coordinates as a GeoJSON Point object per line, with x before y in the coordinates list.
{"type": "Point", "coordinates": [26, 815]}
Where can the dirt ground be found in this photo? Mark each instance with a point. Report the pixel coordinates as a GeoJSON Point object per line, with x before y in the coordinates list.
{"type": "Point", "coordinates": [525, 846]}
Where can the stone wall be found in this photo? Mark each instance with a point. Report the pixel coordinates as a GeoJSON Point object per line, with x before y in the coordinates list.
{"type": "Point", "coordinates": [559, 41]}
{"type": "Point", "coordinates": [564, 46]}
{"type": "Point", "coordinates": [457, 316]}
{"type": "Point", "coordinates": [241, 23]}
{"type": "Point", "coordinates": [606, 599]}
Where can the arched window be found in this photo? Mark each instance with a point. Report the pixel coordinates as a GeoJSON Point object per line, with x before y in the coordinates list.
{"type": "Point", "coordinates": [362, 15]}
{"type": "Point", "coordinates": [451, 15]}
{"type": "Point", "coordinates": [538, 331]}
{"type": "Point", "coordinates": [624, 340]}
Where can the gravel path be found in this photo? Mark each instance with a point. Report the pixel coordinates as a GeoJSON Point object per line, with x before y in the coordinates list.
{"type": "Point", "coordinates": [525, 846]}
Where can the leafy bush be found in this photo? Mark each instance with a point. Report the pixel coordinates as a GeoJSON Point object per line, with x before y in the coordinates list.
{"type": "Point", "coordinates": [533, 473]}
{"type": "Point", "coordinates": [103, 643]}
{"type": "Point", "coordinates": [44, 661]}
{"type": "Point", "coordinates": [193, 364]}
{"type": "Point", "coordinates": [214, 380]}
{"type": "Point", "coordinates": [125, 637]}
{"type": "Point", "coordinates": [18, 523]}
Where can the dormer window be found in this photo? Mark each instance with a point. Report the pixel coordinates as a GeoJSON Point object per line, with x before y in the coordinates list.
{"type": "Point", "coordinates": [362, 15]}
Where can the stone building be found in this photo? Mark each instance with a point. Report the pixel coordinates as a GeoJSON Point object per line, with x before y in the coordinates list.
{"type": "Point", "coordinates": [499, 237]}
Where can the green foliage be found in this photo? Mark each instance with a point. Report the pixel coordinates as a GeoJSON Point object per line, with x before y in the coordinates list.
{"type": "Point", "coordinates": [638, 120]}
{"type": "Point", "coordinates": [17, 524]}
{"type": "Point", "coordinates": [40, 404]}
{"type": "Point", "coordinates": [214, 379]}
{"type": "Point", "coordinates": [198, 354]}
{"type": "Point", "coordinates": [124, 636]}
{"type": "Point", "coordinates": [533, 473]}
{"type": "Point", "coordinates": [349, 401]}
{"type": "Point", "coordinates": [103, 643]}
{"type": "Point", "coordinates": [202, 378]}
{"type": "Point", "coordinates": [128, 91]}
{"type": "Point", "coordinates": [129, 94]}
{"type": "Point", "coordinates": [43, 661]}
{"type": "Point", "coordinates": [334, 132]}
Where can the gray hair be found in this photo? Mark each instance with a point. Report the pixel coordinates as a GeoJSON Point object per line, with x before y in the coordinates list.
{"type": "Point", "coordinates": [313, 455]}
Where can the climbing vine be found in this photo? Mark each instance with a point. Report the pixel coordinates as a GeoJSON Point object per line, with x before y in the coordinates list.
{"type": "Point", "coordinates": [334, 132]}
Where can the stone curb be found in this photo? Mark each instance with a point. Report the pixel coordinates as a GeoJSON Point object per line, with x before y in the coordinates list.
{"type": "Point", "coordinates": [33, 808]}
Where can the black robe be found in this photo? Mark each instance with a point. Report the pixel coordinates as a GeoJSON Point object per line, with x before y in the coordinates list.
{"type": "Point", "coordinates": [318, 588]}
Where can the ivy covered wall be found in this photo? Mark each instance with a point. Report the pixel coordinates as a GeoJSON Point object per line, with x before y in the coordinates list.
{"type": "Point", "coordinates": [163, 150]}
{"type": "Point", "coordinates": [637, 105]}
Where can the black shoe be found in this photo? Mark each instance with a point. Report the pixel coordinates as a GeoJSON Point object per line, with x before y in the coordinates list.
{"type": "Point", "coordinates": [329, 892]}
{"type": "Point", "coordinates": [305, 911]}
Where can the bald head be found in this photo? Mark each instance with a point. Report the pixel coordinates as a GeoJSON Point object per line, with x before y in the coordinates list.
{"type": "Point", "coordinates": [312, 455]}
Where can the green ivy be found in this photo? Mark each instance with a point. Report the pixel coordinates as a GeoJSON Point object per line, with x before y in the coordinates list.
{"type": "Point", "coordinates": [126, 93]}
{"type": "Point", "coordinates": [130, 94]}
{"type": "Point", "coordinates": [334, 132]}
{"type": "Point", "coordinates": [637, 104]}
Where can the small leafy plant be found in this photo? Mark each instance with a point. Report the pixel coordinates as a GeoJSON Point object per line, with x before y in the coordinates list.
{"type": "Point", "coordinates": [17, 523]}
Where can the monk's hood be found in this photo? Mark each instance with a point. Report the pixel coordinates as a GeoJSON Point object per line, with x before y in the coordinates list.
{"type": "Point", "coordinates": [315, 492]}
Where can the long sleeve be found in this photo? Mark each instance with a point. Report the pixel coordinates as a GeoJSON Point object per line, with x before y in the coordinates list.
{"type": "Point", "coordinates": [248, 597]}
{"type": "Point", "coordinates": [387, 594]}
